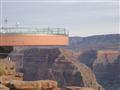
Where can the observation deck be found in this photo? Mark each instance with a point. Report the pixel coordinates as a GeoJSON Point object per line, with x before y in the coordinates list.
{"type": "Point", "coordinates": [19, 36]}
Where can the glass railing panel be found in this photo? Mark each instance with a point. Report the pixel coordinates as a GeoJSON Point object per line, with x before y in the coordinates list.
{"type": "Point", "coordinates": [55, 31]}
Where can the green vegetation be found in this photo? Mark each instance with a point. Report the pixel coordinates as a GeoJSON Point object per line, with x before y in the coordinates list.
{"type": "Point", "coordinates": [2, 70]}
{"type": "Point", "coordinates": [5, 50]}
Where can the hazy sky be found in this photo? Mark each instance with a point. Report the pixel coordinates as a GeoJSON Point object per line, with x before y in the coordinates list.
{"type": "Point", "coordinates": [80, 17]}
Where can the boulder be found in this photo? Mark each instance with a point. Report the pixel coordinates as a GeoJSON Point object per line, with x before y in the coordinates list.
{"type": "Point", "coordinates": [2, 87]}
{"type": "Point", "coordinates": [33, 85]}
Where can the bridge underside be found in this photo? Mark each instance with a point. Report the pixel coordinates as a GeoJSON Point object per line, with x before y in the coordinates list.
{"type": "Point", "coordinates": [33, 40]}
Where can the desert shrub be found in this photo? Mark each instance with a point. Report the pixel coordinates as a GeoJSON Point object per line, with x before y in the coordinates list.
{"type": "Point", "coordinates": [2, 70]}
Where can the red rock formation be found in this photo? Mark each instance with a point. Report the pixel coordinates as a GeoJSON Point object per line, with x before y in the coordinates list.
{"type": "Point", "coordinates": [105, 64]}
{"type": "Point", "coordinates": [2, 87]}
{"type": "Point", "coordinates": [10, 72]}
{"type": "Point", "coordinates": [33, 85]}
{"type": "Point", "coordinates": [58, 65]}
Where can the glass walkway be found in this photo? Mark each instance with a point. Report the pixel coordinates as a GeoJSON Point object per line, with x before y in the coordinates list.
{"type": "Point", "coordinates": [12, 36]}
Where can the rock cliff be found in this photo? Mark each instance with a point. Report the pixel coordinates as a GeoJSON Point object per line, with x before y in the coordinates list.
{"type": "Point", "coordinates": [105, 64]}
{"type": "Point", "coordinates": [59, 65]}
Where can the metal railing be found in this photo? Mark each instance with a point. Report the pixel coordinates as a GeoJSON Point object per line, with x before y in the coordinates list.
{"type": "Point", "coordinates": [23, 30]}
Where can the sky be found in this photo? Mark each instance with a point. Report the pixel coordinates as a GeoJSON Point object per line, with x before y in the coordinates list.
{"type": "Point", "coordinates": [79, 17]}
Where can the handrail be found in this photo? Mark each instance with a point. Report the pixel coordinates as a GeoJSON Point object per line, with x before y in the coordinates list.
{"type": "Point", "coordinates": [24, 30]}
